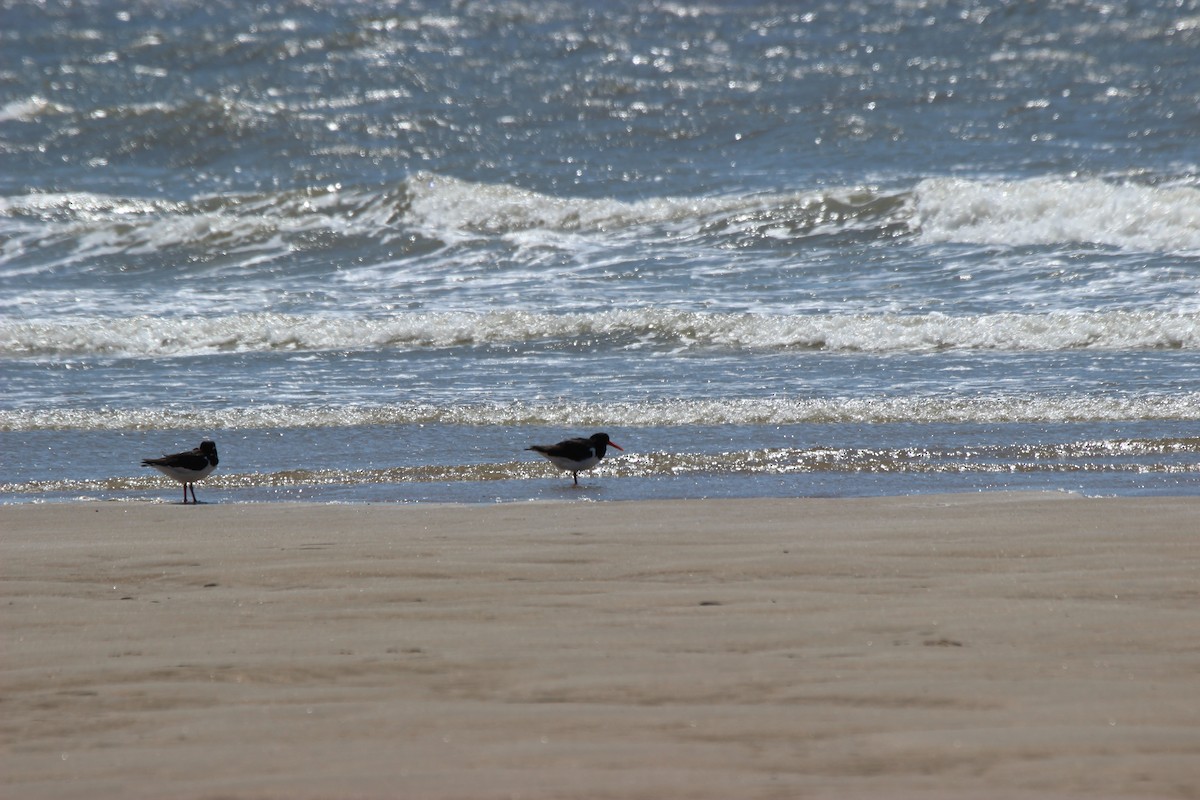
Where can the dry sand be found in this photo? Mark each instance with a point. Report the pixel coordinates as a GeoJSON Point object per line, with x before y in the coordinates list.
{"type": "Point", "coordinates": [979, 646]}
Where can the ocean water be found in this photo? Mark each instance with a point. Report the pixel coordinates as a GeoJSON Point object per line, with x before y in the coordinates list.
{"type": "Point", "coordinates": [375, 250]}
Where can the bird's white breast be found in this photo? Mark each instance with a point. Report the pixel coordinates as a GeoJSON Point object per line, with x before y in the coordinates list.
{"type": "Point", "coordinates": [183, 474]}
{"type": "Point", "coordinates": [564, 463]}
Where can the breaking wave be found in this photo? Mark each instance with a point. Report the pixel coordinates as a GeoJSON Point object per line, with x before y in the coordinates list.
{"type": "Point", "coordinates": [149, 337]}
{"type": "Point", "coordinates": [1025, 408]}
{"type": "Point", "coordinates": [442, 210]}
{"type": "Point", "coordinates": [1050, 211]}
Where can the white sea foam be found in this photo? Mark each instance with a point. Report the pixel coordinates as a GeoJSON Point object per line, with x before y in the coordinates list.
{"type": "Point", "coordinates": [453, 209]}
{"type": "Point", "coordinates": [153, 336]}
{"type": "Point", "coordinates": [1041, 211]}
{"type": "Point", "coordinates": [1019, 408]}
{"type": "Point", "coordinates": [29, 109]}
{"type": "Point", "coordinates": [1048, 211]}
{"type": "Point", "coordinates": [96, 225]}
{"type": "Point", "coordinates": [269, 226]}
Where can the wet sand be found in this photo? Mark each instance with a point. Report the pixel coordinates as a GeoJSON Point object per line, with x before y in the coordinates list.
{"type": "Point", "coordinates": [982, 646]}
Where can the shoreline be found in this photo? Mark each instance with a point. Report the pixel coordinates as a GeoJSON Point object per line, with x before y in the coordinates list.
{"type": "Point", "coordinates": [982, 644]}
{"type": "Point", "coordinates": [584, 495]}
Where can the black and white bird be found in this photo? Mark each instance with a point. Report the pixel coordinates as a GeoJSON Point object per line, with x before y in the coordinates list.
{"type": "Point", "coordinates": [187, 467]}
{"type": "Point", "coordinates": [576, 455]}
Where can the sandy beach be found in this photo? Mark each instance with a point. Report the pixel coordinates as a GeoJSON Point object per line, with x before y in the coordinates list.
{"type": "Point", "coordinates": [976, 645]}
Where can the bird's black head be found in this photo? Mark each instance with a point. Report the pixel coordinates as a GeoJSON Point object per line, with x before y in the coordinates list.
{"type": "Point", "coordinates": [601, 440]}
{"type": "Point", "coordinates": [209, 448]}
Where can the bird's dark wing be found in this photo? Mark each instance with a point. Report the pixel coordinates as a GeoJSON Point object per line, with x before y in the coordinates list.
{"type": "Point", "coordinates": [192, 459]}
{"type": "Point", "coordinates": [574, 449]}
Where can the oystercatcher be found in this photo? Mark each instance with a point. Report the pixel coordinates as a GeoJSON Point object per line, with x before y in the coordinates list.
{"type": "Point", "coordinates": [576, 455]}
{"type": "Point", "coordinates": [187, 467]}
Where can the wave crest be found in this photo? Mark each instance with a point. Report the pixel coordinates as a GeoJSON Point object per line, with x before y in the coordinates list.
{"type": "Point", "coordinates": [1020, 408]}
{"type": "Point", "coordinates": [147, 337]}
{"type": "Point", "coordinates": [439, 210]}
{"type": "Point", "coordinates": [1050, 211]}
{"type": "Point", "coordinates": [449, 208]}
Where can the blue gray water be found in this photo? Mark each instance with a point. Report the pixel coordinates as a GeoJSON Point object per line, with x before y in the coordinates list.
{"type": "Point", "coordinates": [375, 250]}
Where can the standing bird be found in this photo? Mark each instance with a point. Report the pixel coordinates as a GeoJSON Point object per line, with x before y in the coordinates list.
{"type": "Point", "coordinates": [187, 467]}
{"type": "Point", "coordinates": [576, 455]}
